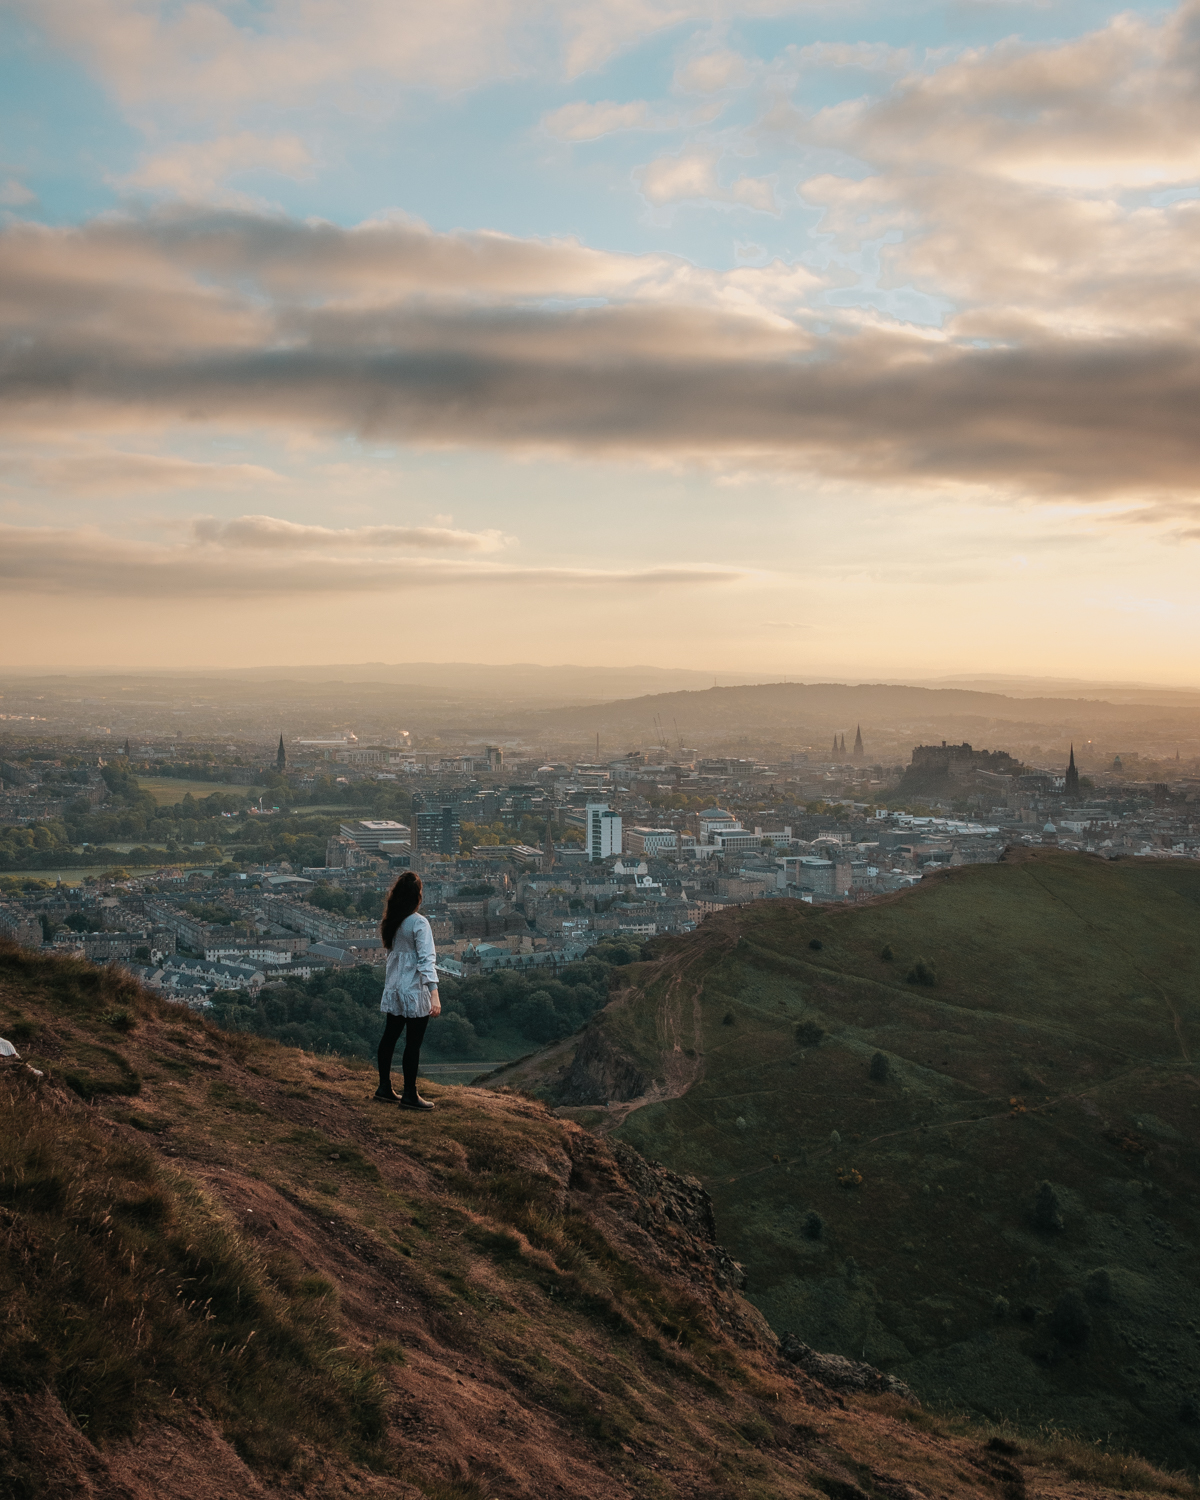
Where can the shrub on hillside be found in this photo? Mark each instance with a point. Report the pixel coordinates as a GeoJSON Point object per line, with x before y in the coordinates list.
{"type": "Point", "coordinates": [922, 973]}
{"type": "Point", "coordinates": [1069, 1322]}
{"type": "Point", "coordinates": [814, 1225]}
{"type": "Point", "coordinates": [887, 955]}
{"type": "Point", "coordinates": [816, 944]}
{"type": "Point", "coordinates": [1047, 1215]}
{"type": "Point", "coordinates": [1098, 1288]}
{"type": "Point", "coordinates": [809, 1034]}
{"type": "Point", "coordinates": [880, 1068]}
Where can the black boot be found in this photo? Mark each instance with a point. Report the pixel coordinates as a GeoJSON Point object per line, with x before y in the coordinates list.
{"type": "Point", "coordinates": [410, 1099]}
{"type": "Point", "coordinates": [385, 1093]}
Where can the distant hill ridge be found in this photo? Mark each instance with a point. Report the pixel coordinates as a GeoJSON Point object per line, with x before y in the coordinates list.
{"type": "Point", "coordinates": [829, 706]}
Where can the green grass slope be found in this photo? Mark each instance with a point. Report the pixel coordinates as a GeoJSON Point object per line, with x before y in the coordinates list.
{"type": "Point", "coordinates": [875, 1130]}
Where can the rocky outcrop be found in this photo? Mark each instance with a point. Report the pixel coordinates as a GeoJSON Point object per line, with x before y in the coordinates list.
{"type": "Point", "coordinates": [600, 1073]}
{"type": "Point", "coordinates": [667, 1198]}
{"type": "Point", "coordinates": [842, 1374]}
{"type": "Point", "coordinates": [665, 1221]}
{"type": "Point", "coordinates": [668, 1195]}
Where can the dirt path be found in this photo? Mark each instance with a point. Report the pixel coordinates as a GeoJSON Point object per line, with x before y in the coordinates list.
{"type": "Point", "coordinates": [679, 1023]}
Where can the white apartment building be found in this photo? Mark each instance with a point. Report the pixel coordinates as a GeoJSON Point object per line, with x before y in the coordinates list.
{"type": "Point", "coordinates": [602, 829]}
{"type": "Point", "coordinates": [716, 820]}
{"type": "Point", "coordinates": [369, 833]}
{"type": "Point", "coordinates": [650, 841]}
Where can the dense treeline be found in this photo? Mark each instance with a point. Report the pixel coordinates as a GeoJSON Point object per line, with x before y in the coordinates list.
{"type": "Point", "coordinates": [205, 770]}
{"type": "Point", "coordinates": [497, 1016]}
{"type": "Point", "coordinates": [366, 906]}
{"type": "Point", "coordinates": [525, 829]}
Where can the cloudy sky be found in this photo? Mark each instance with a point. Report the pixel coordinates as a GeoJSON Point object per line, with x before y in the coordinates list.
{"type": "Point", "coordinates": [795, 338]}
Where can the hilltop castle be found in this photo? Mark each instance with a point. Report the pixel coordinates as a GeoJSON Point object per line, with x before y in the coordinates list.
{"type": "Point", "coordinates": [958, 762]}
{"type": "Point", "coordinates": [935, 767]}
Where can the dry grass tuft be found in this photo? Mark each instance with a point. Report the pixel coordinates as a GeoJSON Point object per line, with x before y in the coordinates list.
{"type": "Point", "coordinates": [122, 1284]}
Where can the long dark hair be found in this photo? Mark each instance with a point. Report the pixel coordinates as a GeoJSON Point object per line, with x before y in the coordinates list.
{"type": "Point", "coordinates": [403, 899]}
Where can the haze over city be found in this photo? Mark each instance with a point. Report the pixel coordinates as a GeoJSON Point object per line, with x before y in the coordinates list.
{"type": "Point", "coordinates": [761, 339]}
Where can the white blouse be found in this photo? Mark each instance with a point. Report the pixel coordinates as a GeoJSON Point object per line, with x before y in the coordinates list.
{"type": "Point", "coordinates": [411, 970]}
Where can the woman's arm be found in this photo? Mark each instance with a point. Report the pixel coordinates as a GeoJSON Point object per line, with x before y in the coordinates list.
{"type": "Point", "coordinates": [426, 953]}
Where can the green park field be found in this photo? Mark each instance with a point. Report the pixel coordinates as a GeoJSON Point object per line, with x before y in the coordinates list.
{"type": "Point", "coordinates": [166, 790]}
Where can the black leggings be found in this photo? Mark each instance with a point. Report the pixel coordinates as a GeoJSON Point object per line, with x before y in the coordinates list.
{"type": "Point", "coordinates": [411, 1060]}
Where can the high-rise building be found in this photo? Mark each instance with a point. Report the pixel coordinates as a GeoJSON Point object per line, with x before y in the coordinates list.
{"type": "Point", "coordinates": [603, 830]}
{"type": "Point", "coordinates": [495, 758]}
{"type": "Point", "coordinates": [436, 830]}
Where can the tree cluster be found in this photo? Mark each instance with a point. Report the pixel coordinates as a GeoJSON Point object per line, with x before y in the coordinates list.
{"type": "Point", "coordinates": [501, 1012]}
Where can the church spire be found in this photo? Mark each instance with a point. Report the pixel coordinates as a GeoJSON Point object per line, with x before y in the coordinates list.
{"type": "Point", "coordinates": [858, 744]}
{"type": "Point", "coordinates": [1071, 780]}
{"type": "Point", "coordinates": [281, 757]}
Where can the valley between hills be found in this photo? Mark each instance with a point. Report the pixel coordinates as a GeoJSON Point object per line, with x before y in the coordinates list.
{"type": "Point", "coordinates": [951, 1132]}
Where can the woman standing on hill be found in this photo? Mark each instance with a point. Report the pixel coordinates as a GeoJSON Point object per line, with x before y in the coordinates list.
{"type": "Point", "coordinates": [410, 988]}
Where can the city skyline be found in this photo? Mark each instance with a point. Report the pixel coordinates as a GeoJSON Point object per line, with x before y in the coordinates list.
{"type": "Point", "coordinates": [771, 340]}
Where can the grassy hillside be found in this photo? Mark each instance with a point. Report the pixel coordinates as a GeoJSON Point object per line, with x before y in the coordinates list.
{"type": "Point", "coordinates": [225, 1264]}
{"type": "Point", "coordinates": [875, 1095]}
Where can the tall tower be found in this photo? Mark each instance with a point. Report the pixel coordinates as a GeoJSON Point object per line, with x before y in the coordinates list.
{"type": "Point", "coordinates": [835, 747]}
{"type": "Point", "coordinates": [548, 846]}
{"type": "Point", "coordinates": [281, 757]}
{"type": "Point", "coordinates": [858, 746]}
{"type": "Point", "coordinates": [602, 829]}
{"type": "Point", "coordinates": [1071, 780]}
